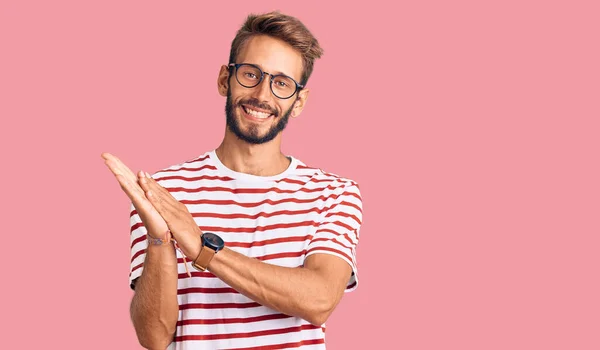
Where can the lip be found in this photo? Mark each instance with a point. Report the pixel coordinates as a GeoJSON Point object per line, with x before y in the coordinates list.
{"type": "Point", "coordinates": [253, 118]}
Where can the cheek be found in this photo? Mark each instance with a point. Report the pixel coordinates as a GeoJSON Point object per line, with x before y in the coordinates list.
{"type": "Point", "coordinates": [285, 106]}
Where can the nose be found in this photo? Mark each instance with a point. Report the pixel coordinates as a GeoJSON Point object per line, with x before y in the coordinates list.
{"type": "Point", "coordinates": [262, 91]}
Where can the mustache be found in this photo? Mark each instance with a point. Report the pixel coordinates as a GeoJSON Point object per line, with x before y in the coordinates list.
{"type": "Point", "coordinates": [257, 104]}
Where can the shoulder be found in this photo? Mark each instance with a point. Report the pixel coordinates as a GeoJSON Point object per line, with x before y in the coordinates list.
{"type": "Point", "coordinates": [330, 182]}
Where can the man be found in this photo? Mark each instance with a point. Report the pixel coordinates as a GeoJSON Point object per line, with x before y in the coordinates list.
{"type": "Point", "coordinates": [244, 247]}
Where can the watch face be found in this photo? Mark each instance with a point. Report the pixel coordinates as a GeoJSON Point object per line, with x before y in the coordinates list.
{"type": "Point", "coordinates": [213, 241]}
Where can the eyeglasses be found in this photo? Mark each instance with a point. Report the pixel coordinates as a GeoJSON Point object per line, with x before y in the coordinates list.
{"type": "Point", "coordinates": [250, 75]}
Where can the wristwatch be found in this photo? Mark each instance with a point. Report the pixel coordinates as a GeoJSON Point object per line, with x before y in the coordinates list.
{"type": "Point", "coordinates": [211, 244]}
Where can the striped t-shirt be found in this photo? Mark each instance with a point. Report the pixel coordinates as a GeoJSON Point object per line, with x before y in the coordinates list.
{"type": "Point", "coordinates": [279, 220]}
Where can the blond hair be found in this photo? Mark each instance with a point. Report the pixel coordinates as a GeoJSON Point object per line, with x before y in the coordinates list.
{"type": "Point", "coordinates": [286, 28]}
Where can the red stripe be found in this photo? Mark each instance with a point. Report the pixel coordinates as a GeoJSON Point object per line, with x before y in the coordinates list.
{"type": "Point", "coordinates": [351, 205]}
{"type": "Point", "coordinates": [317, 249]}
{"type": "Point", "coordinates": [140, 252]}
{"type": "Point", "coordinates": [257, 228]}
{"type": "Point", "coordinates": [197, 178]}
{"type": "Point", "coordinates": [292, 181]}
{"type": "Point", "coordinates": [261, 258]}
{"type": "Point", "coordinates": [258, 215]}
{"type": "Point", "coordinates": [239, 230]}
{"type": "Point", "coordinates": [330, 240]}
{"type": "Point", "coordinates": [281, 255]}
{"type": "Point", "coordinates": [353, 195]}
{"type": "Point", "coordinates": [327, 230]}
{"type": "Point", "coordinates": [233, 320]}
{"type": "Point", "coordinates": [266, 257]}
{"type": "Point", "coordinates": [232, 244]}
{"type": "Point", "coordinates": [263, 214]}
{"type": "Point", "coordinates": [228, 202]}
{"type": "Point", "coordinates": [246, 190]}
{"type": "Point", "coordinates": [300, 166]}
{"type": "Point", "coordinates": [266, 201]}
{"type": "Point", "coordinates": [265, 242]}
{"type": "Point", "coordinates": [196, 274]}
{"type": "Point", "coordinates": [136, 267]}
{"type": "Point", "coordinates": [211, 167]}
{"type": "Point", "coordinates": [269, 241]}
{"type": "Point", "coordinates": [218, 306]}
{"type": "Point", "coordinates": [207, 290]}
{"type": "Point", "coordinates": [245, 335]}
{"type": "Point", "coordinates": [285, 345]}
{"type": "Point", "coordinates": [350, 240]}
{"type": "Point", "coordinates": [249, 245]}
{"type": "Point", "coordinates": [341, 224]}
{"type": "Point", "coordinates": [345, 235]}
{"type": "Point", "coordinates": [139, 239]}
{"type": "Point", "coordinates": [247, 230]}
{"type": "Point", "coordinates": [199, 159]}
{"type": "Point", "coordinates": [346, 215]}
{"type": "Point", "coordinates": [300, 182]}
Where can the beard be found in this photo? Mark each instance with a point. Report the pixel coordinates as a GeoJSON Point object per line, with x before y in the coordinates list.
{"type": "Point", "coordinates": [252, 135]}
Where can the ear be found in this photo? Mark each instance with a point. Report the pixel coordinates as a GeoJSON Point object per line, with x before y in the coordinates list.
{"type": "Point", "coordinates": [300, 103]}
{"type": "Point", "coordinates": [223, 80]}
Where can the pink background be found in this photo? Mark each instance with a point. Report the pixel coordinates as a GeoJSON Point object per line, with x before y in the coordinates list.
{"type": "Point", "coordinates": [473, 130]}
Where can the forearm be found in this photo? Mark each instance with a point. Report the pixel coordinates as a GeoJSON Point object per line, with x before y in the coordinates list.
{"type": "Point", "coordinates": [154, 308]}
{"type": "Point", "coordinates": [293, 291]}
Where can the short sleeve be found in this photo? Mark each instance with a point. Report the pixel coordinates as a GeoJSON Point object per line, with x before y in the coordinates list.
{"type": "Point", "coordinates": [338, 232]}
{"type": "Point", "coordinates": [139, 243]}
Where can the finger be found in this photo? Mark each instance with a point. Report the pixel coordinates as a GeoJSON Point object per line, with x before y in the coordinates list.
{"type": "Point", "coordinates": [155, 186]}
{"type": "Point", "coordinates": [118, 167]}
{"type": "Point", "coordinates": [132, 191]}
{"type": "Point", "coordinates": [166, 205]}
{"type": "Point", "coordinates": [117, 171]}
{"type": "Point", "coordinates": [159, 192]}
{"type": "Point", "coordinates": [138, 199]}
{"type": "Point", "coordinates": [118, 164]}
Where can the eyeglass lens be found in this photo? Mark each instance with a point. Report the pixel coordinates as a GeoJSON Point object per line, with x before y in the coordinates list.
{"type": "Point", "coordinates": [282, 86]}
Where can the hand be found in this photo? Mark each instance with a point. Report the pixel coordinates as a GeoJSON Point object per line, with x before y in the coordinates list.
{"type": "Point", "coordinates": [179, 220]}
{"type": "Point", "coordinates": [154, 223]}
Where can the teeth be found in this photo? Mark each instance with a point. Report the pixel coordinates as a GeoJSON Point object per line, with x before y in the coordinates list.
{"type": "Point", "coordinates": [256, 113]}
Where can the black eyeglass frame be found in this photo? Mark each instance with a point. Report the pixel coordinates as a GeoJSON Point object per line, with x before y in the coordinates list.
{"type": "Point", "coordinates": [262, 75]}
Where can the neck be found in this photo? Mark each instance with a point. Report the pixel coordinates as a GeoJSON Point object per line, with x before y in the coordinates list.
{"type": "Point", "coordinates": [260, 160]}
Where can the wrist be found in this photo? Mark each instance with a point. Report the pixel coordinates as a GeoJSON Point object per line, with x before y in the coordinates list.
{"type": "Point", "coordinates": [165, 236]}
{"type": "Point", "coordinates": [190, 246]}
{"type": "Point", "coordinates": [159, 243]}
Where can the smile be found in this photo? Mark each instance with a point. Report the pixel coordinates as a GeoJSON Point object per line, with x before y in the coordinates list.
{"type": "Point", "coordinates": [255, 113]}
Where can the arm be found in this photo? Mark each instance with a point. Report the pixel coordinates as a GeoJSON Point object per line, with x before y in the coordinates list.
{"type": "Point", "coordinates": [154, 307]}
{"type": "Point", "coordinates": [311, 292]}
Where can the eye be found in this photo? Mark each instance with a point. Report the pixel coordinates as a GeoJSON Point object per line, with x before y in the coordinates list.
{"type": "Point", "coordinates": [250, 75]}
{"type": "Point", "coordinates": [281, 83]}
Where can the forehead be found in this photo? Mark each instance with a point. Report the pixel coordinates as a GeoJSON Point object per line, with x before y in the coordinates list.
{"type": "Point", "coordinates": [272, 55]}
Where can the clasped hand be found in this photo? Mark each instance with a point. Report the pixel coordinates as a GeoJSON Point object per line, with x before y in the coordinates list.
{"type": "Point", "coordinates": [157, 208]}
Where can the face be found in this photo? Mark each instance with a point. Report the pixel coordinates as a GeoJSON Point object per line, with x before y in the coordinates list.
{"type": "Point", "coordinates": [255, 115]}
